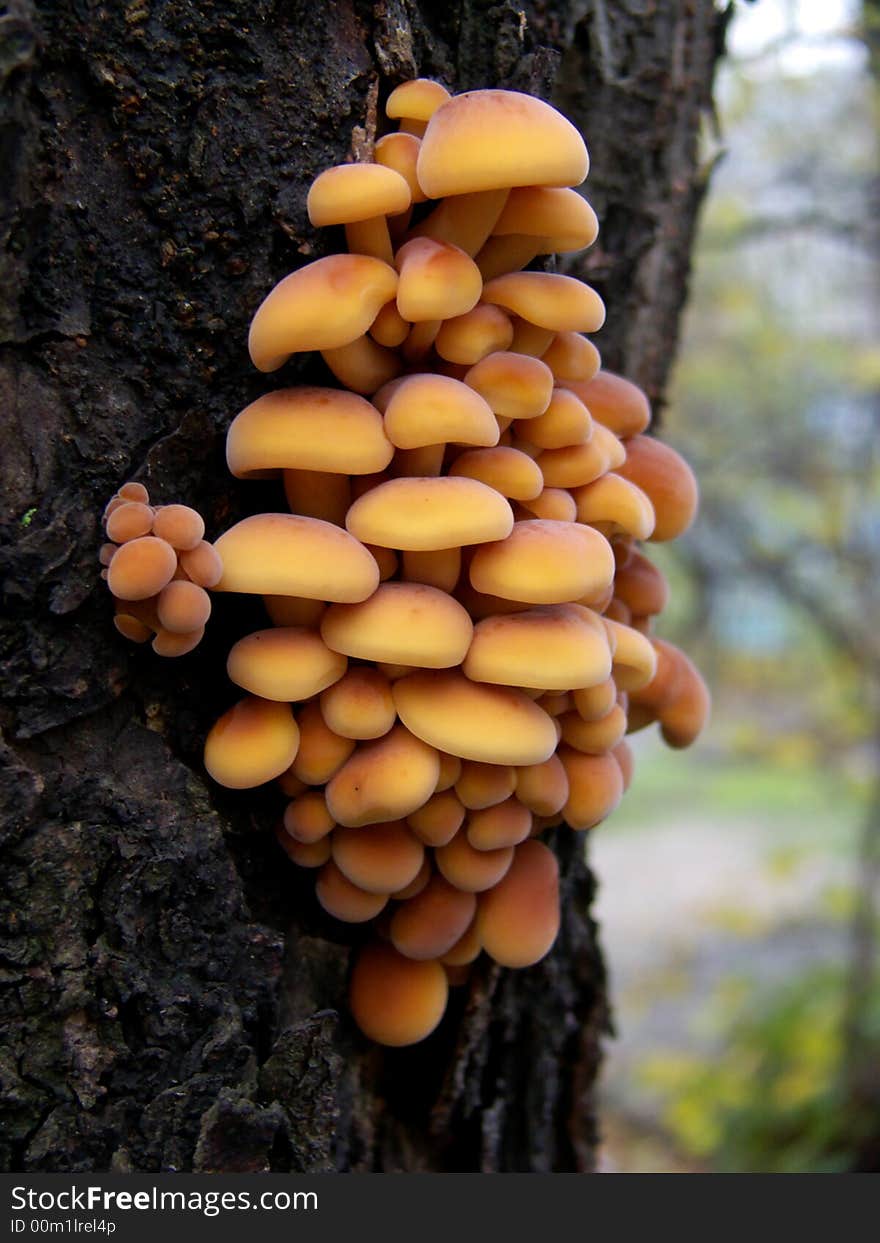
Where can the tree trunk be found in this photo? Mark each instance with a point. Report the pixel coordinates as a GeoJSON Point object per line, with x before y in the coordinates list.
{"type": "Point", "coordinates": [174, 999]}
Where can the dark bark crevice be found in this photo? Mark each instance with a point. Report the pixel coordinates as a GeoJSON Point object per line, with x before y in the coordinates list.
{"type": "Point", "coordinates": [172, 998]}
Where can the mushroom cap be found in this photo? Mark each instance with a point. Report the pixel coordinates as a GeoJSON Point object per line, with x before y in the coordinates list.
{"type": "Point", "coordinates": [468, 338]}
{"type": "Point", "coordinates": [466, 949]}
{"type": "Point", "coordinates": [400, 151]}
{"type": "Point", "coordinates": [484, 785]}
{"type": "Point", "coordinates": [625, 758]}
{"type": "Point", "coordinates": [543, 788]}
{"type": "Point", "coordinates": [343, 900]}
{"type": "Point", "coordinates": [176, 643]}
{"type": "Point", "coordinates": [495, 724]}
{"type": "Point", "coordinates": [548, 300]}
{"type": "Point", "coordinates": [428, 409]}
{"type": "Point", "coordinates": [308, 428]}
{"type": "Point", "coordinates": [508, 471]}
{"type": "Point", "coordinates": [202, 564]}
{"type": "Point", "coordinates": [304, 854]}
{"type": "Point", "coordinates": [518, 919]}
{"type": "Point", "coordinates": [321, 752]}
{"type": "Point", "coordinates": [359, 705]}
{"type": "Point", "coordinates": [557, 504]}
{"type": "Point", "coordinates": [544, 562]}
{"type": "Point", "coordinates": [483, 140]}
{"type": "Point", "coordinates": [469, 869]}
{"type": "Point", "coordinates": [450, 771]}
{"type": "Point", "coordinates": [641, 586]}
{"type": "Point", "coordinates": [349, 193]}
{"type": "Point", "coordinates": [562, 216]}
{"type": "Point", "coordinates": [577, 465]}
{"type": "Point", "coordinates": [286, 555]}
{"type": "Point", "coordinates": [133, 491]}
{"type": "Point", "coordinates": [307, 818]}
{"type": "Point", "coordinates": [437, 280]}
{"type": "Point", "coordinates": [430, 924]}
{"type": "Point", "coordinates": [141, 567]}
{"type": "Point", "coordinates": [634, 656]}
{"type": "Point", "coordinates": [256, 740]}
{"type": "Point", "coordinates": [516, 386]}
{"type": "Point", "coordinates": [401, 623]}
{"type": "Point", "coordinates": [565, 421]}
{"type": "Point", "coordinates": [182, 526]}
{"type": "Point", "coordinates": [379, 858]}
{"type": "Point", "coordinates": [617, 403]}
{"type": "Point", "coordinates": [552, 649]}
{"type": "Point", "coordinates": [504, 824]}
{"type": "Point", "coordinates": [595, 787]}
{"type": "Point", "coordinates": [572, 357]}
{"type": "Point", "coordinates": [438, 820]}
{"type": "Point", "coordinates": [183, 606]}
{"type": "Point", "coordinates": [128, 521]}
{"type": "Point", "coordinates": [593, 702]}
{"type": "Point", "coordinates": [597, 736]}
{"type": "Point", "coordinates": [667, 479]}
{"type": "Point", "coordinates": [417, 99]}
{"type": "Point", "coordinates": [327, 304]}
{"type": "Point", "coordinates": [616, 502]}
{"type": "Point", "coordinates": [422, 514]}
{"type": "Point", "coordinates": [395, 1000]}
{"type": "Point", "coordinates": [383, 780]}
{"type": "Point", "coordinates": [287, 663]}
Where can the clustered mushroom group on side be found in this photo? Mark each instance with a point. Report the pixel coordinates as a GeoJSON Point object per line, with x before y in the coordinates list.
{"type": "Point", "coordinates": [460, 612]}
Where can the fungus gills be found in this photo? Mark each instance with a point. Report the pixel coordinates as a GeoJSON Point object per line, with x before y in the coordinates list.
{"type": "Point", "coordinates": [460, 609]}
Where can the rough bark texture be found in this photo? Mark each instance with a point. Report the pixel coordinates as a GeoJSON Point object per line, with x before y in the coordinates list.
{"type": "Point", "coordinates": [172, 997]}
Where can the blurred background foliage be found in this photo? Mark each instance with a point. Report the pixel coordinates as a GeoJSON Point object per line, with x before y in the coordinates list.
{"type": "Point", "coordinates": [740, 880]}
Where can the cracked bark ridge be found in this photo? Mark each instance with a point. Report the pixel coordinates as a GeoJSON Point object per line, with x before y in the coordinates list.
{"type": "Point", "coordinates": [173, 999]}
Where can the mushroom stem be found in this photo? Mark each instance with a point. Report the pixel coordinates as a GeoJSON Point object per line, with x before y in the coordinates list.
{"type": "Point", "coordinates": [510, 253]}
{"type": "Point", "coordinates": [466, 220]}
{"type": "Point", "coordinates": [420, 339]}
{"type": "Point", "coordinates": [362, 365]}
{"type": "Point", "coordinates": [370, 237]}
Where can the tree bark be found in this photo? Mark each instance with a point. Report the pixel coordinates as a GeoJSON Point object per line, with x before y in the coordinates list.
{"type": "Point", "coordinates": [173, 997]}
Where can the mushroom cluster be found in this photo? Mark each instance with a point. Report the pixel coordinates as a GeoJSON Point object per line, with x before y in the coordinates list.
{"type": "Point", "coordinates": [460, 613]}
{"type": "Point", "coordinates": [158, 565]}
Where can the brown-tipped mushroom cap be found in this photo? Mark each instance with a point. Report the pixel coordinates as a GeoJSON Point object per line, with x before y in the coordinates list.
{"type": "Point", "coordinates": [469, 869]}
{"type": "Point", "coordinates": [468, 338]}
{"type": "Point", "coordinates": [309, 428]}
{"type": "Point", "coordinates": [395, 1000]}
{"type": "Point", "coordinates": [343, 900]}
{"type": "Point", "coordinates": [544, 562]}
{"type": "Point", "coordinates": [321, 752]}
{"type": "Point", "coordinates": [518, 919]}
{"type": "Point", "coordinates": [430, 924]}
{"type": "Point", "coordinates": [541, 212]}
{"type": "Point", "coordinates": [594, 702]}
{"type": "Point", "coordinates": [641, 586]}
{"type": "Point", "coordinates": [359, 195]}
{"type": "Point", "coordinates": [594, 737]}
{"type": "Point", "coordinates": [668, 481]}
{"type": "Point", "coordinates": [287, 663]}
{"type": "Point", "coordinates": [617, 403]}
{"type": "Point", "coordinates": [286, 555]}
{"type": "Point", "coordinates": [416, 100]}
{"type": "Point", "coordinates": [180, 525]}
{"type": "Point", "coordinates": [322, 306]}
{"type": "Point", "coordinates": [133, 491]}
{"type": "Point", "coordinates": [359, 705]}
{"type": "Point", "coordinates": [379, 858]}
{"type": "Point", "coordinates": [495, 724]}
{"type": "Point", "coordinates": [421, 514]}
{"type": "Point", "coordinates": [556, 504]}
{"type": "Point", "coordinates": [507, 470]}
{"type": "Point", "coordinates": [548, 300]}
{"type": "Point", "coordinates": [304, 854]}
{"type": "Point", "coordinates": [505, 824]}
{"type": "Point", "coordinates": [437, 280]}
{"type": "Point", "coordinates": [384, 780]}
{"type": "Point", "coordinates": [515, 385]}
{"type": "Point", "coordinates": [176, 643]}
{"type": "Point", "coordinates": [427, 409]}
{"type": "Point", "coordinates": [551, 648]}
{"type": "Point", "coordinates": [401, 623]}
{"type": "Point", "coordinates": [128, 521]}
{"type": "Point", "coordinates": [466, 949]}
{"type": "Point", "coordinates": [256, 740]}
{"type": "Point", "coordinates": [485, 139]}
{"type": "Point", "coordinates": [143, 566]}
